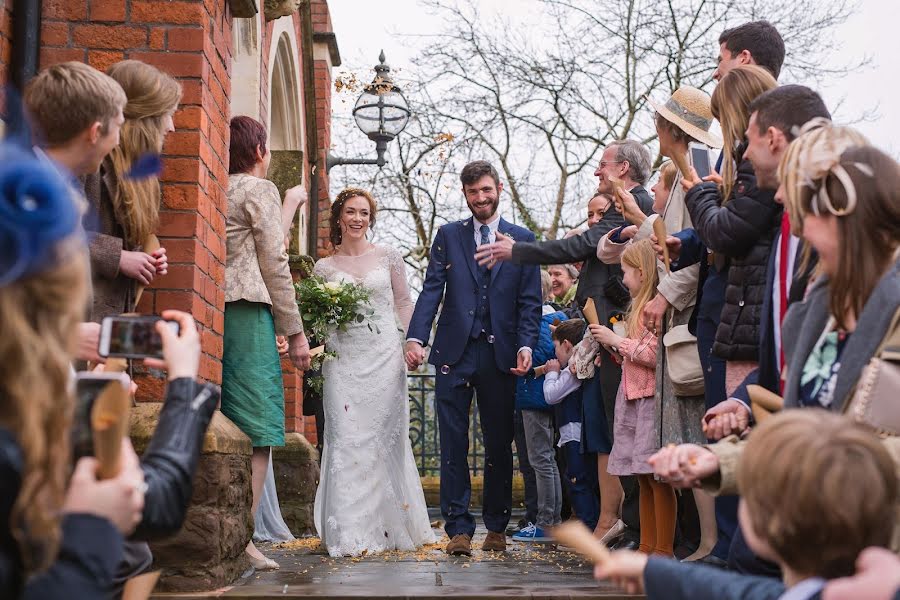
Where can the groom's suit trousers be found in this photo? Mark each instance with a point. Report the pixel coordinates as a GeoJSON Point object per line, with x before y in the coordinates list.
{"type": "Point", "coordinates": [477, 372]}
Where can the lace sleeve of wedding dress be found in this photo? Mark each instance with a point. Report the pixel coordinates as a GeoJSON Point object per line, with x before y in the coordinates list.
{"type": "Point", "coordinates": [403, 303]}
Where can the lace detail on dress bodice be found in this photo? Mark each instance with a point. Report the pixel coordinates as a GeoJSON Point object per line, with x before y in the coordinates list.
{"type": "Point", "coordinates": [383, 272]}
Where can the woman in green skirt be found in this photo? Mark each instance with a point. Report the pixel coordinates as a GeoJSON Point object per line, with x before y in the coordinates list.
{"type": "Point", "coordinates": [259, 304]}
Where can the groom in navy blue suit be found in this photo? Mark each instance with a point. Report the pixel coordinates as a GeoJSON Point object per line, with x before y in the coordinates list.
{"type": "Point", "coordinates": [488, 325]}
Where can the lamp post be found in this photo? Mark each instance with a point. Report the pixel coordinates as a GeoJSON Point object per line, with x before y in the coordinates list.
{"type": "Point", "coordinates": [381, 112]}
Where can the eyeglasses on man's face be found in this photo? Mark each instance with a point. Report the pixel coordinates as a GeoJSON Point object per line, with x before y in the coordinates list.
{"type": "Point", "coordinates": [604, 163]}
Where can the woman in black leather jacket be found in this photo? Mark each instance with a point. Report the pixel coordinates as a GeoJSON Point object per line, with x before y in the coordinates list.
{"type": "Point", "coordinates": [739, 230]}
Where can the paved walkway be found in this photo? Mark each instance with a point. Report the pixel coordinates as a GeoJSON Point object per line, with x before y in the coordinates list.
{"type": "Point", "coordinates": [524, 571]}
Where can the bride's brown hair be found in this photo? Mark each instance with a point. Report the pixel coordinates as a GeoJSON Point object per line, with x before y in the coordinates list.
{"type": "Point", "coordinates": [151, 96]}
{"type": "Point", "coordinates": [334, 220]}
{"type": "Point", "coordinates": [40, 317]}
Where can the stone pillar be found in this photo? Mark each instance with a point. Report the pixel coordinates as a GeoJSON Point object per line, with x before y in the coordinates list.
{"type": "Point", "coordinates": [296, 467]}
{"type": "Point", "coordinates": [208, 552]}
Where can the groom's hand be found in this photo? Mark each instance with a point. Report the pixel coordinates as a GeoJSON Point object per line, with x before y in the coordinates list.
{"type": "Point", "coordinates": [415, 355]}
{"type": "Point", "coordinates": [489, 254]}
{"type": "Point", "coordinates": [523, 363]}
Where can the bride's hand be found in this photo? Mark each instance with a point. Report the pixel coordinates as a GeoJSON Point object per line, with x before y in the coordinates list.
{"type": "Point", "coordinates": [415, 355]}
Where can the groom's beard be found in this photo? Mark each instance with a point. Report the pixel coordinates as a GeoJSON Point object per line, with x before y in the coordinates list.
{"type": "Point", "coordinates": [484, 213]}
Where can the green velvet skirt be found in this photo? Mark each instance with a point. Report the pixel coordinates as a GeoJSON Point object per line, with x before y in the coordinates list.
{"type": "Point", "coordinates": [252, 387]}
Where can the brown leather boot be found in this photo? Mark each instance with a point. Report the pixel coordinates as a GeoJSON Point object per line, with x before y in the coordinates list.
{"type": "Point", "coordinates": [460, 545]}
{"type": "Point", "coordinates": [494, 542]}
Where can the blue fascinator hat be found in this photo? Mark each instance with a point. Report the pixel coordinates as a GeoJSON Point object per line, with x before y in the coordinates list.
{"type": "Point", "coordinates": [37, 212]}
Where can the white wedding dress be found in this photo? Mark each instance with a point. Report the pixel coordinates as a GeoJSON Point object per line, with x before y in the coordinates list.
{"type": "Point", "coordinates": [369, 498]}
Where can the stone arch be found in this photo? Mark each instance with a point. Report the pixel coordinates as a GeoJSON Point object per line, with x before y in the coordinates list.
{"type": "Point", "coordinates": [245, 67]}
{"type": "Point", "coordinates": [285, 123]}
{"type": "Point", "coordinates": [285, 126]}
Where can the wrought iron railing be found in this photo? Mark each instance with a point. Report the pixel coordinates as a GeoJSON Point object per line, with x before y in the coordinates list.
{"type": "Point", "coordinates": [423, 428]}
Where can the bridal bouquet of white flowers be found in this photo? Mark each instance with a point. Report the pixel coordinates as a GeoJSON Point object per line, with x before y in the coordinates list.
{"type": "Point", "coordinates": [328, 306]}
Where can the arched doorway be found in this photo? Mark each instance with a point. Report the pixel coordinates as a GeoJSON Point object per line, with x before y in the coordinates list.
{"type": "Point", "coordinates": [245, 67]}
{"type": "Point", "coordinates": [285, 124]}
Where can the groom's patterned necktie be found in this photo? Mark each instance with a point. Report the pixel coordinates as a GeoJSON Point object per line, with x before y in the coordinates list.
{"type": "Point", "coordinates": [482, 321]}
{"type": "Point", "coordinates": [485, 235]}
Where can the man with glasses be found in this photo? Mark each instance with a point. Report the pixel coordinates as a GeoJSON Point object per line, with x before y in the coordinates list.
{"type": "Point", "coordinates": [629, 161]}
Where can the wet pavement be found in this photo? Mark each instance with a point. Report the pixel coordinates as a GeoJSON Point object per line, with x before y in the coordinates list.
{"type": "Point", "coordinates": [524, 571]}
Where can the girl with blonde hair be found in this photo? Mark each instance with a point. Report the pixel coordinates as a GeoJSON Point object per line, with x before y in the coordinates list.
{"type": "Point", "coordinates": [69, 531]}
{"type": "Point", "coordinates": [125, 194]}
{"type": "Point", "coordinates": [635, 436]}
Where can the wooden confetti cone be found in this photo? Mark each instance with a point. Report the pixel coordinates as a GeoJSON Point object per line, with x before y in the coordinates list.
{"type": "Point", "coordinates": [682, 164]}
{"type": "Point", "coordinates": [590, 312]}
{"type": "Point", "coordinates": [109, 424]}
{"type": "Point", "coordinates": [151, 245]}
{"type": "Point", "coordinates": [659, 228]}
{"type": "Point", "coordinates": [141, 586]}
{"type": "Point", "coordinates": [540, 371]}
{"type": "Point", "coordinates": [316, 351]}
{"type": "Point", "coordinates": [575, 535]}
{"type": "Point", "coordinates": [763, 402]}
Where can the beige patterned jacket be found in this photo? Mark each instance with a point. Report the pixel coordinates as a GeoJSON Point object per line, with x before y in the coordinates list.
{"type": "Point", "coordinates": [256, 268]}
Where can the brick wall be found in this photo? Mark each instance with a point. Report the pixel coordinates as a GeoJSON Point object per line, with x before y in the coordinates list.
{"type": "Point", "coordinates": [321, 23]}
{"type": "Point", "coordinates": [5, 38]}
{"type": "Point", "coordinates": [190, 40]}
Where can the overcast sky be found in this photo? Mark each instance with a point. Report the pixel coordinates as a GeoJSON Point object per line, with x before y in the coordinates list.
{"type": "Point", "coordinates": [363, 28]}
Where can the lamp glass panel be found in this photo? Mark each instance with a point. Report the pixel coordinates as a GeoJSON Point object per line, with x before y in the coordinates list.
{"type": "Point", "coordinates": [367, 113]}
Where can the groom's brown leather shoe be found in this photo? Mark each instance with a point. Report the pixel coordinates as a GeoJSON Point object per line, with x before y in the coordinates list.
{"type": "Point", "coordinates": [460, 545]}
{"type": "Point", "coordinates": [494, 542]}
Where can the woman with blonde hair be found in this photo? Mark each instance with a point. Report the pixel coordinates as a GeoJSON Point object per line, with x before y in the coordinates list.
{"type": "Point", "coordinates": [125, 194]}
{"type": "Point", "coordinates": [59, 538]}
{"type": "Point", "coordinates": [736, 221]}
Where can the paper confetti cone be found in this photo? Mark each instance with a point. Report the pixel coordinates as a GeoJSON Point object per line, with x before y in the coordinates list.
{"type": "Point", "coordinates": [659, 228]}
{"type": "Point", "coordinates": [109, 424]}
{"type": "Point", "coordinates": [590, 312]}
{"type": "Point", "coordinates": [575, 535]}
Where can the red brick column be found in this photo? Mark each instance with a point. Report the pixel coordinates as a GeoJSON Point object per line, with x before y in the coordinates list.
{"type": "Point", "coordinates": [322, 84]}
{"type": "Point", "coordinates": [5, 39]}
{"type": "Point", "coordinates": [190, 40]}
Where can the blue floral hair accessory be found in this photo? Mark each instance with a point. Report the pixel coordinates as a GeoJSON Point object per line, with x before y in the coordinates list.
{"type": "Point", "coordinates": [37, 211]}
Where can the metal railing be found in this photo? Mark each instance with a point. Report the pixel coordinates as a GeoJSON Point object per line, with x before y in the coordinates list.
{"type": "Point", "coordinates": [423, 428]}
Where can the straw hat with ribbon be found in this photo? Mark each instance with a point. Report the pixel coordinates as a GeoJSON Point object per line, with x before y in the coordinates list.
{"type": "Point", "coordinates": [688, 109]}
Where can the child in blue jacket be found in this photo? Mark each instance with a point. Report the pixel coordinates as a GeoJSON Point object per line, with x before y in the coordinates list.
{"type": "Point", "coordinates": [537, 419]}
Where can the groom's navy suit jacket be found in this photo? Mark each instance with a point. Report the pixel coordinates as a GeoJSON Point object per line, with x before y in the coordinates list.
{"type": "Point", "coordinates": [514, 297]}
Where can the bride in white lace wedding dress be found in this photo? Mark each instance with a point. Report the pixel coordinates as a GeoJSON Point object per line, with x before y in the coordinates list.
{"type": "Point", "coordinates": [369, 498]}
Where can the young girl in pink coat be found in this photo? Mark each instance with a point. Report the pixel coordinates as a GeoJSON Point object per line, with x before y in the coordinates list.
{"type": "Point", "coordinates": [634, 433]}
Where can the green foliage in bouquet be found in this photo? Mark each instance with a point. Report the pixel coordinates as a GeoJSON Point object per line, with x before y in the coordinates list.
{"type": "Point", "coordinates": [328, 306]}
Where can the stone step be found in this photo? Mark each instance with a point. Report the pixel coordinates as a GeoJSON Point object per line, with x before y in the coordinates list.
{"type": "Point", "coordinates": [524, 571]}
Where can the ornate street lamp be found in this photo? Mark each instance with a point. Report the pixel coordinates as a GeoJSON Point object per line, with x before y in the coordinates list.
{"type": "Point", "coordinates": [381, 112]}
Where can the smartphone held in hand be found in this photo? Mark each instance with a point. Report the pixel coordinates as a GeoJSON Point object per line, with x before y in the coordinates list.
{"type": "Point", "coordinates": [132, 337]}
{"type": "Point", "coordinates": [88, 386]}
{"type": "Point", "coordinates": [699, 155]}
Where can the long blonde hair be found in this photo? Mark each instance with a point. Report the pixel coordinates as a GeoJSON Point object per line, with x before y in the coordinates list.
{"type": "Point", "coordinates": [730, 106]}
{"type": "Point", "coordinates": [40, 317]}
{"type": "Point", "coordinates": [641, 256]}
{"type": "Point", "coordinates": [151, 96]}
